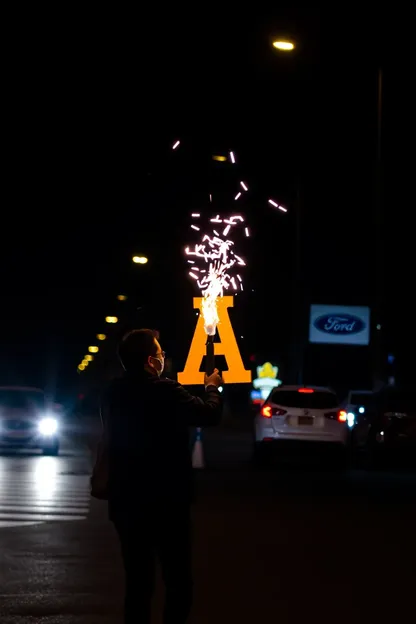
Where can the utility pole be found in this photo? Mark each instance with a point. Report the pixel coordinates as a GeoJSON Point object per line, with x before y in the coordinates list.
{"type": "Point", "coordinates": [298, 298]}
{"type": "Point", "coordinates": [378, 264]}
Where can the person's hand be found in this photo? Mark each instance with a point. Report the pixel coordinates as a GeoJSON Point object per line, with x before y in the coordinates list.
{"type": "Point", "coordinates": [213, 380]}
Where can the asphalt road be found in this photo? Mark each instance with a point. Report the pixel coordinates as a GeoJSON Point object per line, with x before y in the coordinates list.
{"type": "Point", "coordinates": [281, 545]}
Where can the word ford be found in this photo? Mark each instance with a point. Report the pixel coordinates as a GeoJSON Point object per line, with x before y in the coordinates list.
{"type": "Point", "coordinates": [345, 324]}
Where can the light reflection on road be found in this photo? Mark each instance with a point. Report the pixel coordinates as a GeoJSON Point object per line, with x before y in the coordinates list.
{"type": "Point", "coordinates": [36, 489]}
{"type": "Point", "coordinates": [45, 476]}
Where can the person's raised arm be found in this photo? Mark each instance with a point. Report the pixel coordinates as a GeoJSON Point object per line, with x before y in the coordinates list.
{"type": "Point", "coordinates": [195, 411]}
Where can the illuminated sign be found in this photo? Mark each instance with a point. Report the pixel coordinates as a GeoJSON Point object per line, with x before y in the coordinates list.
{"type": "Point", "coordinates": [227, 346]}
{"type": "Point", "coordinates": [339, 325]}
{"type": "Point", "coordinates": [266, 381]}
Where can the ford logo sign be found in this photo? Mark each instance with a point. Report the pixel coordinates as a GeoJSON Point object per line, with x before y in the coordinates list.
{"type": "Point", "coordinates": [345, 324]}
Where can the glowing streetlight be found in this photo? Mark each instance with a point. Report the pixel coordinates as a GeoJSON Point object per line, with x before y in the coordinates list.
{"type": "Point", "coordinates": [101, 336]}
{"type": "Point", "coordinates": [85, 362]}
{"type": "Point", "coordinates": [284, 46]}
{"type": "Point", "coordinates": [122, 297]}
{"type": "Point", "coordinates": [93, 349]}
{"type": "Point", "coordinates": [80, 368]}
{"type": "Point", "coordinates": [88, 358]}
{"type": "Point", "coordinates": [140, 260]}
{"type": "Point", "coordinates": [220, 158]}
{"type": "Point", "coordinates": [111, 319]}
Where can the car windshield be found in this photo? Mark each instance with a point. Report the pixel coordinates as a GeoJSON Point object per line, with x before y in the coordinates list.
{"type": "Point", "coordinates": [361, 398]}
{"type": "Point", "coordinates": [397, 401]}
{"type": "Point", "coordinates": [21, 399]}
{"type": "Point", "coordinates": [308, 400]}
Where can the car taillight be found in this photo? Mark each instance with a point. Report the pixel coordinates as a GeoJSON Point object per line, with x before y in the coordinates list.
{"type": "Point", "coordinates": [340, 416]}
{"type": "Point", "coordinates": [267, 411]}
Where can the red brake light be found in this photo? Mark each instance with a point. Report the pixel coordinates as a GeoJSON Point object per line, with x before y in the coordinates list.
{"type": "Point", "coordinates": [306, 390]}
{"type": "Point", "coordinates": [342, 416]}
{"type": "Point", "coordinates": [266, 411]}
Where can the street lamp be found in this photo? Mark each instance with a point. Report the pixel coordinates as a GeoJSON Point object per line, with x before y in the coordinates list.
{"type": "Point", "coordinates": [284, 45]}
{"type": "Point", "coordinates": [122, 297]}
{"type": "Point", "coordinates": [93, 349]}
{"type": "Point", "coordinates": [111, 319]}
{"type": "Point", "coordinates": [101, 336]}
{"type": "Point", "coordinates": [88, 358]}
{"type": "Point", "coordinates": [140, 260]}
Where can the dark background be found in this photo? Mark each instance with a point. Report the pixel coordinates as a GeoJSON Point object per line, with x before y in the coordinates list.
{"type": "Point", "coordinates": [94, 103]}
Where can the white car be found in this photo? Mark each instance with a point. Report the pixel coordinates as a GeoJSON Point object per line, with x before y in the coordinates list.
{"type": "Point", "coordinates": [298, 414]}
{"type": "Point", "coordinates": [26, 420]}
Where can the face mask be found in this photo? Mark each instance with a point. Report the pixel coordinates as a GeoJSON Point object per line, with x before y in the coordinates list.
{"type": "Point", "coordinates": [159, 368]}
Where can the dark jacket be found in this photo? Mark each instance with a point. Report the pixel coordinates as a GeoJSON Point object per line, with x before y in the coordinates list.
{"type": "Point", "coordinates": [147, 420]}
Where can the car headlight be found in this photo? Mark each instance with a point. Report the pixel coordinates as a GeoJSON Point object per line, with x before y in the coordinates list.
{"type": "Point", "coordinates": [48, 426]}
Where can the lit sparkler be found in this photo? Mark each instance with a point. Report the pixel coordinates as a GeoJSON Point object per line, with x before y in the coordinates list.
{"type": "Point", "coordinates": [216, 264]}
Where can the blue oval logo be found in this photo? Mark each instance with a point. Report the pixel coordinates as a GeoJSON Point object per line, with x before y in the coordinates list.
{"type": "Point", "coordinates": [344, 324]}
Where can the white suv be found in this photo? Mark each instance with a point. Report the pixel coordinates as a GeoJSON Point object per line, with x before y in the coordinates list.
{"type": "Point", "coordinates": [298, 414]}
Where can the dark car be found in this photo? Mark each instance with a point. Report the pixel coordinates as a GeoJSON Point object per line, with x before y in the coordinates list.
{"type": "Point", "coordinates": [387, 428]}
{"type": "Point", "coordinates": [27, 420]}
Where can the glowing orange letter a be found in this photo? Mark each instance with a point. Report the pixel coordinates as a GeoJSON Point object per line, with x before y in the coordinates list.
{"type": "Point", "coordinates": [227, 346]}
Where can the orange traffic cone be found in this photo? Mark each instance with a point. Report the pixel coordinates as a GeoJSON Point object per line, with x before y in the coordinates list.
{"type": "Point", "coordinates": [198, 451]}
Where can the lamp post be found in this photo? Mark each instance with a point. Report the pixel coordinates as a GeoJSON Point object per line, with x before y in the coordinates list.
{"type": "Point", "coordinates": [299, 309]}
{"type": "Point", "coordinates": [377, 270]}
{"type": "Point", "coordinates": [378, 266]}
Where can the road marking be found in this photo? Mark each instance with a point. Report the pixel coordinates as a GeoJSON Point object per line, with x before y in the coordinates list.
{"type": "Point", "coordinates": [24, 503]}
{"type": "Point", "coordinates": [7, 524]}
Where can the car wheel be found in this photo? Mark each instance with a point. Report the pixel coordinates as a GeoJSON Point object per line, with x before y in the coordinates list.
{"type": "Point", "coordinates": [52, 449]}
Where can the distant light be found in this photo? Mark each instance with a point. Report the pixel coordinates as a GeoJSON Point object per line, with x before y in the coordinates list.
{"type": "Point", "coordinates": [140, 260]}
{"type": "Point", "coordinates": [237, 196]}
{"type": "Point", "coordinates": [111, 319]}
{"type": "Point", "coordinates": [101, 336]}
{"type": "Point", "coordinates": [378, 327]}
{"type": "Point", "coordinates": [232, 157]}
{"type": "Point", "coordinates": [93, 349]}
{"type": "Point", "coordinates": [220, 158]}
{"type": "Point", "coordinates": [285, 46]}
{"type": "Point", "coordinates": [88, 358]}
{"type": "Point", "coordinates": [80, 368]}
{"type": "Point", "coordinates": [244, 186]}
{"type": "Point", "coordinates": [85, 362]}
{"type": "Point", "coordinates": [351, 419]}
{"type": "Point", "coordinates": [247, 232]}
{"type": "Point", "coordinates": [122, 297]}
{"type": "Point", "coordinates": [175, 145]}
{"type": "Point", "coordinates": [220, 389]}
{"type": "Point", "coordinates": [361, 410]}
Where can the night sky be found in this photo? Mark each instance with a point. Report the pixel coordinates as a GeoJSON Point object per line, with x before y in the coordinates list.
{"type": "Point", "coordinates": [90, 179]}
